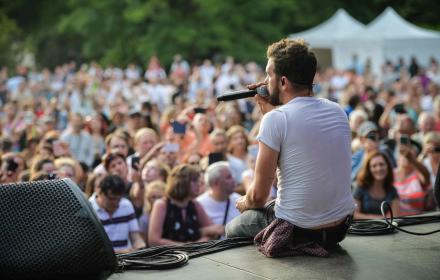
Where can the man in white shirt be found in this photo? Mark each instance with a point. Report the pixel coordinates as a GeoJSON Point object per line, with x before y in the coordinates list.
{"type": "Point", "coordinates": [307, 142]}
{"type": "Point", "coordinates": [219, 200]}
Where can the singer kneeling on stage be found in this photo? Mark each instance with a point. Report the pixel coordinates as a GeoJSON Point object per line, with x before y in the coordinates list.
{"type": "Point", "coordinates": [305, 142]}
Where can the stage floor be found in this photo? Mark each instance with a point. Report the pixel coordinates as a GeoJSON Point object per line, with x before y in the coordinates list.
{"type": "Point", "coordinates": [394, 256]}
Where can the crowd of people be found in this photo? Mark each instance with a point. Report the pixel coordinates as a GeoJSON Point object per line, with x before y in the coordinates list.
{"type": "Point", "coordinates": [162, 162]}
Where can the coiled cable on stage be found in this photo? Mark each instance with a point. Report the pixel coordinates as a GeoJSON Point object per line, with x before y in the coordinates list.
{"type": "Point", "coordinates": [391, 224]}
{"type": "Point", "coordinates": [165, 257]}
{"type": "Point", "coordinates": [370, 227]}
{"type": "Point", "coordinates": [408, 221]}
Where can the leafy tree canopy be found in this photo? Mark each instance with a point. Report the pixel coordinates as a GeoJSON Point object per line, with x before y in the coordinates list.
{"type": "Point", "coordinates": [123, 31]}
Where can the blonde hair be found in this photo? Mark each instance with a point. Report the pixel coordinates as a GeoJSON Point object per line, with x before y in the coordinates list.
{"type": "Point", "coordinates": [157, 185]}
{"type": "Point", "coordinates": [432, 136]}
{"type": "Point", "coordinates": [65, 161]}
{"type": "Point", "coordinates": [141, 132]}
{"type": "Point", "coordinates": [436, 103]}
{"type": "Point", "coordinates": [232, 131]}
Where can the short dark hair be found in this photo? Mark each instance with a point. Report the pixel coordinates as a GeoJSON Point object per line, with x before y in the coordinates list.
{"type": "Point", "coordinates": [293, 59]}
{"type": "Point", "coordinates": [112, 183]}
{"type": "Point", "coordinates": [108, 158]}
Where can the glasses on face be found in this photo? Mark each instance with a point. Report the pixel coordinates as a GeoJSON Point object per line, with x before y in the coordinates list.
{"type": "Point", "coordinates": [372, 136]}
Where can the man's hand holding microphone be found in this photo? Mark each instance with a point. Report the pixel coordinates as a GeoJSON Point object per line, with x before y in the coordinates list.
{"type": "Point", "coordinates": [258, 90]}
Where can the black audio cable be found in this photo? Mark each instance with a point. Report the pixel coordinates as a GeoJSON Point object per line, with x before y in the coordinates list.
{"type": "Point", "coordinates": [390, 225]}
{"type": "Point", "coordinates": [408, 220]}
{"type": "Point", "coordinates": [165, 257]}
{"type": "Point", "coordinates": [370, 227]}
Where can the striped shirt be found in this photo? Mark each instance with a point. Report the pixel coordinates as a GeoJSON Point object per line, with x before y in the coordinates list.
{"type": "Point", "coordinates": [119, 225]}
{"type": "Point", "coordinates": [411, 194]}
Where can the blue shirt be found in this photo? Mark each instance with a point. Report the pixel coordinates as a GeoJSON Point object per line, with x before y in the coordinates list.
{"type": "Point", "coordinates": [370, 205]}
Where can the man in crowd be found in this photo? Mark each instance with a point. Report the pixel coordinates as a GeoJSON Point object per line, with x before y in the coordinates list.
{"type": "Point", "coordinates": [117, 215]}
{"type": "Point", "coordinates": [368, 134]}
{"type": "Point", "coordinates": [219, 200]}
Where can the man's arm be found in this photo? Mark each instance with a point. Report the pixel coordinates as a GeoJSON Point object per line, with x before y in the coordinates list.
{"type": "Point", "coordinates": [259, 190]}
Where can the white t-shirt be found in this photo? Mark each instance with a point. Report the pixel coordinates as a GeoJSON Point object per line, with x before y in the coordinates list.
{"type": "Point", "coordinates": [216, 209]}
{"type": "Point", "coordinates": [313, 137]}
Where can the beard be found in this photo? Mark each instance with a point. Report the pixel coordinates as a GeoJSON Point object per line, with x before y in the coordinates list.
{"type": "Point", "coordinates": [274, 97]}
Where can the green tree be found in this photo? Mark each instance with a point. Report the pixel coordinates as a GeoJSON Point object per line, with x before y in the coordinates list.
{"type": "Point", "coordinates": [124, 31]}
{"type": "Point", "coordinates": [10, 47]}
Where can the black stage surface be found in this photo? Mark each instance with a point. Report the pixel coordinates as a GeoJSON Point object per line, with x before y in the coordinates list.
{"type": "Point", "coordinates": [393, 256]}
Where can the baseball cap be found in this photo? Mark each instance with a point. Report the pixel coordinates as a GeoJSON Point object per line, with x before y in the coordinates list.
{"type": "Point", "coordinates": [367, 127]}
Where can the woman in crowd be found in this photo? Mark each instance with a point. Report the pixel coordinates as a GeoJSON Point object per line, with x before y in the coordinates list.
{"type": "Point", "coordinates": [411, 179]}
{"type": "Point", "coordinates": [153, 170]}
{"type": "Point", "coordinates": [66, 168]}
{"type": "Point", "coordinates": [154, 191]}
{"type": "Point", "coordinates": [42, 164]}
{"type": "Point", "coordinates": [431, 154]}
{"type": "Point", "coordinates": [92, 184]}
{"type": "Point", "coordinates": [116, 164]}
{"type": "Point", "coordinates": [193, 158]}
{"type": "Point", "coordinates": [144, 140]}
{"type": "Point", "coordinates": [178, 217]}
{"type": "Point", "coordinates": [118, 142]}
{"type": "Point", "coordinates": [374, 185]}
{"type": "Point", "coordinates": [96, 130]}
{"type": "Point", "coordinates": [237, 150]}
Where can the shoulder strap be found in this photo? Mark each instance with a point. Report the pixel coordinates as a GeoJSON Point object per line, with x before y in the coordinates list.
{"type": "Point", "coordinates": [226, 211]}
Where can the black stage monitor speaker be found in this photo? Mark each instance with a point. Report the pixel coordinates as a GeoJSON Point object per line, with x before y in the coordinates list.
{"type": "Point", "coordinates": [49, 230]}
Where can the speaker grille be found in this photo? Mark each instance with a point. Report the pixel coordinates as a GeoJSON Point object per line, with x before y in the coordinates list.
{"type": "Point", "coordinates": [47, 228]}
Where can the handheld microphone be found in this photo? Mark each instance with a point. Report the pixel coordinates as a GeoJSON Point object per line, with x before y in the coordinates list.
{"type": "Point", "coordinates": [239, 94]}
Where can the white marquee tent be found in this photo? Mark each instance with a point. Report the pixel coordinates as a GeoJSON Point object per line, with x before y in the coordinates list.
{"type": "Point", "coordinates": [389, 36]}
{"type": "Point", "coordinates": [326, 37]}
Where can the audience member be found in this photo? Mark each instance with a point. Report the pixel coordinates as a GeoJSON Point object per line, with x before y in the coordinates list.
{"type": "Point", "coordinates": [374, 185]}
{"type": "Point", "coordinates": [178, 217]}
{"type": "Point", "coordinates": [411, 179]}
{"type": "Point", "coordinates": [154, 191]}
{"type": "Point", "coordinates": [78, 140]}
{"type": "Point", "coordinates": [219, 199]}
{"type": "Point", "coordinates": [117, 110]}
{"type": "Point", "coordinates": [117, 215]}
